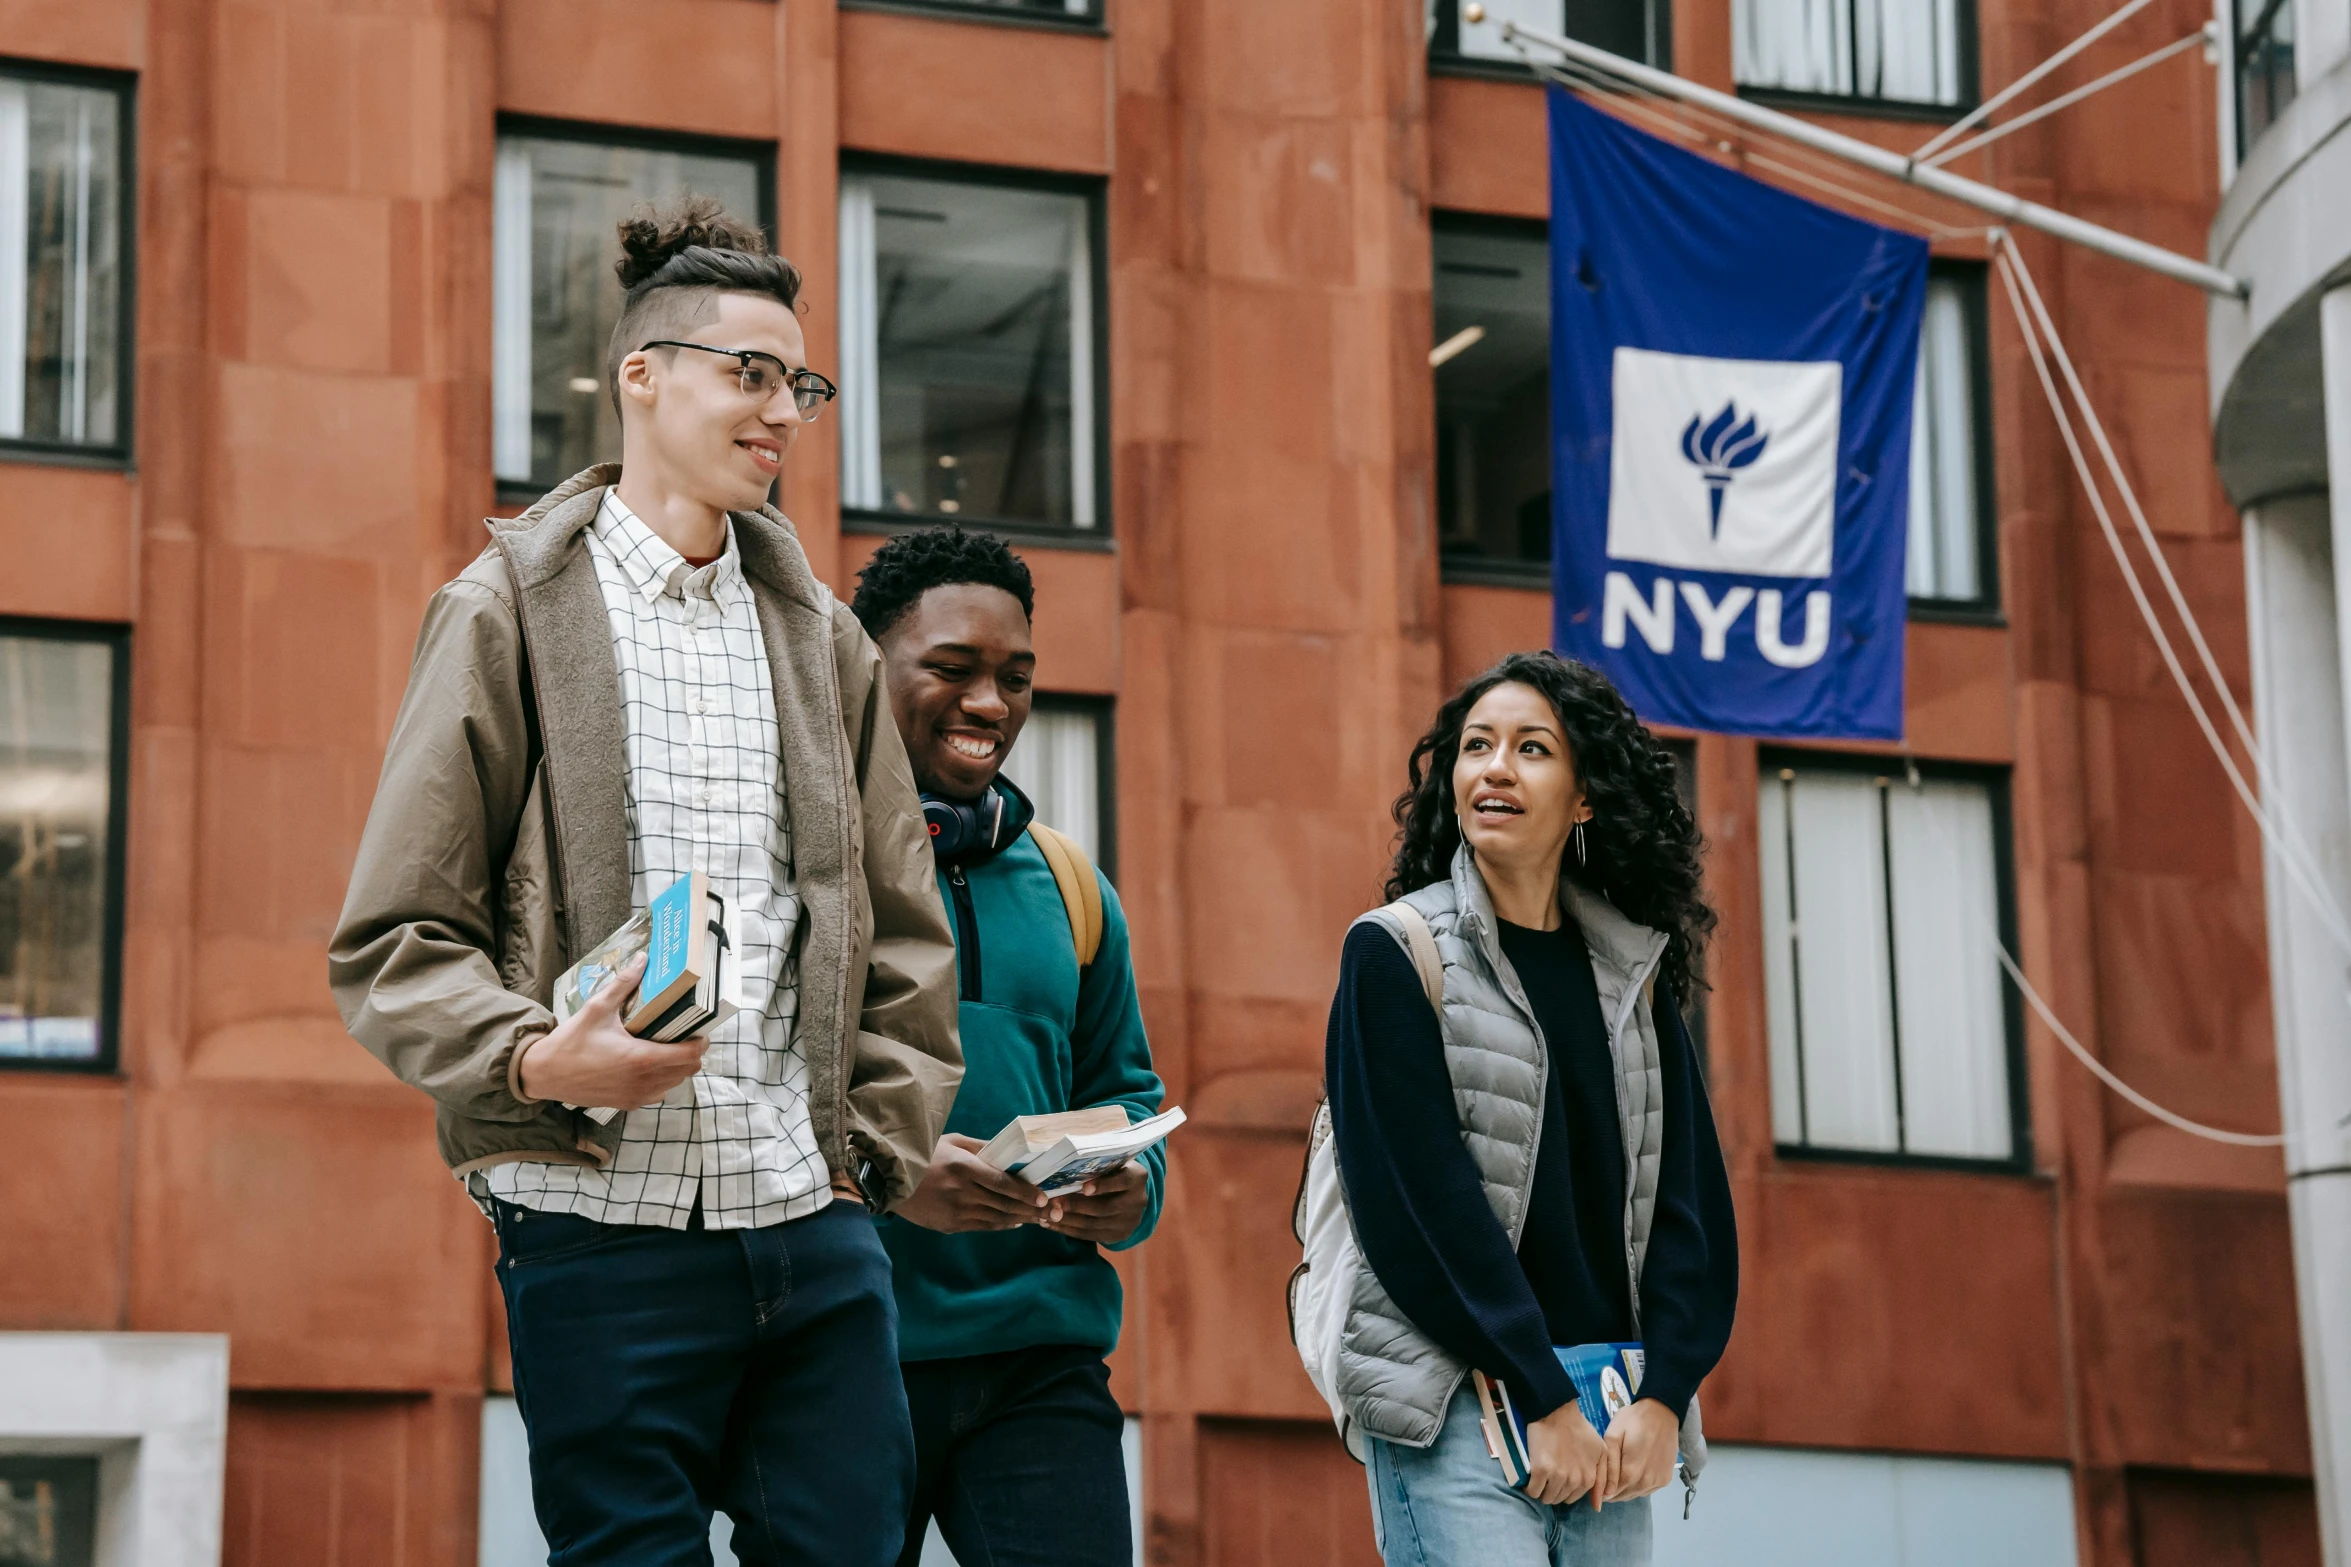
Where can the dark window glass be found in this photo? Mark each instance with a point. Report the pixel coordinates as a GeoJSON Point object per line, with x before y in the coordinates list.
{"type": "Point", "coordinates": [968, 384]}
{"type": "Point", "coordinates": [554, 297]}
{"type": "Point", "coordinates": [1917, 52]}
{"type": "Point", "coordinates": [60, 718]}
{"type": "Point", "coordinates": [48, 1510]}
{"type": "Point", "coordinates": [1492, 357]}
{"type": "Point", "coordinates": [63, 305]}
{"type": "Point", "coordinates": [1633, 29]}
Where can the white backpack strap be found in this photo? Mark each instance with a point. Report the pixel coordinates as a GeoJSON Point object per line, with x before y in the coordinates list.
{"type": "Point", "coordinates": [1420, 944]}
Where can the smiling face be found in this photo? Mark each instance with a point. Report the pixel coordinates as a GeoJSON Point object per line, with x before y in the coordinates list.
{"type": "Point", "coordinates": [1515, 789]}
{"type": "Point", "coordinates": [686, 415]}
{"type": "Point", "coordinates": [960, 667]}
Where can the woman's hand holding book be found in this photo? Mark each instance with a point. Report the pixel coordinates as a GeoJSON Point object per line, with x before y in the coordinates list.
{"type": "Point", "coordinates": [1567, 1460]}
{"type": "Point", "coordinates": [1643, 1440]}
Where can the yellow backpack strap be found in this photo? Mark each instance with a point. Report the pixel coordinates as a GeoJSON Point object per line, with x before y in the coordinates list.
{"type": "Point", "coordinates": [1081, 894]}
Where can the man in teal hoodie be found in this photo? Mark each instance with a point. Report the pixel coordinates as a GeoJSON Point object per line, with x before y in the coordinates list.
{"type": "Point", "coordinates": [1006, 1305]}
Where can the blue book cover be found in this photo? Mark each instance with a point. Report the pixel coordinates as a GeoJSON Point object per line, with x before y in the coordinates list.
{"type": "Point", "coordinates": [669, 942]}
{"type": "Point", "coordinates": [1606, 1377]}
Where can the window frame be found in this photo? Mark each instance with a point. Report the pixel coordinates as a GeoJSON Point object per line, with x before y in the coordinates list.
{"type": "Point", "coordinates": [1446, 59]}
{"type": "Point", "coordinates": [1094, 190]}
{"type": "Point", "coordinates": [599, 133]}
{"type": "Point", "coordinates": [1987, 607]}
{"type": "Point", "coordinates": [2240, 40]}
{"type": "Point", "coordinates": [117, 638]}
{"type": "Point", "coordinates": [1482, 570]}
{"type": "Point", "coordinates": [1968, 27]}
{"type": "Point", "coordinates": [121, 452]}
{"type": "Point", "coordinates": [1096, 22]}
{"type": "Point", "coordinates": [1995, 780]}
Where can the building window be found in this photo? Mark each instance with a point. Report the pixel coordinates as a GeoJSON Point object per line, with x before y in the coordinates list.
{"type": "Point", "coordinates": [970, 366]}
{"type": "Point", "coordinates": [64, 711]}
{"type": "Point", "coordinates": [64, 273]}
{"type": "Point", "coordinates": [1492, 359]}
{"type": "Point", "coordinates": [558, 198]}
{"type": "Point", "coordinates": [1892, 1028]}
{"type": "Point", "coordinates": [48, 1510]}
{"type": "Point", "coordinates": [1950, 554]}
{"type": "Point", "coordinates": [1917, 53]}
{"type": "Point", "coordinates": [2265, 66]}
{"type": "Point", "coordinates": [1631, 29]}
{"type": "Point", "coordinates": [1063, 761]}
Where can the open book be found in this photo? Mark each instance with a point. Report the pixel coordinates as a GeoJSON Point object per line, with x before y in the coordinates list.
{"type": "Point", "coordinates": [1059, 1153]}
{"type": "Point", "coordinates": [1606, 1378]}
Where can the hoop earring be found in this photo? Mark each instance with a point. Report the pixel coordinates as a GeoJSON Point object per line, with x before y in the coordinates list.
{"type": "Point", "coordinates": [1578, 835]}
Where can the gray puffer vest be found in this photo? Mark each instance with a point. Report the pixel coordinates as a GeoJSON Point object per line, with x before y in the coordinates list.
{"type": "Point", "coordinates": [1394, 1380]}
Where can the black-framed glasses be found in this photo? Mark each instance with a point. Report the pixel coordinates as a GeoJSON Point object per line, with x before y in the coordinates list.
{"type": "Point", "coordinates": [759, 374]}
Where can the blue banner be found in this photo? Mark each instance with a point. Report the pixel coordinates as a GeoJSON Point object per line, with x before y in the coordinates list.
{"type": "Point", "coordinates": [1731, 380]}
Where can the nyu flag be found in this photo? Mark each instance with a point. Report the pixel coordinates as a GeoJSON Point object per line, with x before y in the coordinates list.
{"type": "Point", "coordinates": [1731, 371]}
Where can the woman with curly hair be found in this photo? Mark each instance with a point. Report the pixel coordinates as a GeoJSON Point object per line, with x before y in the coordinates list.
{"type": "Point", "coordinates": [1537, 1166]}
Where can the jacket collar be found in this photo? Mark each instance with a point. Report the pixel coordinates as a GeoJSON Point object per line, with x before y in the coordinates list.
{"type": "Point", "coordinates": [536, 542]}
{"type": "Point", "coordinates": [1620, 944]}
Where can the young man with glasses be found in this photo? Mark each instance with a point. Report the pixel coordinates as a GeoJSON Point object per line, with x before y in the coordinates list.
{"type": "Point", "coordinates": [641, 678]}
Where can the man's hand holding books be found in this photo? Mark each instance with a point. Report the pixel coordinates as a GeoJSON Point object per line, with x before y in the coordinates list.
{"type": "Point", "coordinates": [962, 1191]}
{"type": "Point", "coordinates": [590, 1058]}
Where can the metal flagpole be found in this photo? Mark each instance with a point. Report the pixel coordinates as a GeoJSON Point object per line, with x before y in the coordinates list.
{"type": "Point", "coordinates": [2015, 209]}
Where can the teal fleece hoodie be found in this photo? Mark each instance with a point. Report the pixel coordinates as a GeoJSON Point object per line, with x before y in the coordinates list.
{"type": "Point", "coordinates": [1037, 1037]}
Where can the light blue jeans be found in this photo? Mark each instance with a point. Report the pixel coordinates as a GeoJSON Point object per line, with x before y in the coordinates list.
{"type": "Point", "coordinates": [1445, 1505]}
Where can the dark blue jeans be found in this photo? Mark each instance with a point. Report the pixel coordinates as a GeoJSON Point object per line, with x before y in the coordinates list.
{"type": "Point", "coordinates": [663, 1374]}
{"type": "Point", "coordinates": [1018, 1456]}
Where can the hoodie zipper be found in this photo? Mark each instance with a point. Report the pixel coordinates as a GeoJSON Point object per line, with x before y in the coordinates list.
{"type": "Point", "coordinates": [967, 933]}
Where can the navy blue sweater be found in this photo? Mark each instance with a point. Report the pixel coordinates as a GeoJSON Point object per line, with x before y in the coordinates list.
{"type": "Point", "coordinates": [1422, 1218]}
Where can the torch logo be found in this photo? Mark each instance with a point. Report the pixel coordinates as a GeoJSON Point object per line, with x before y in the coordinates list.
{"type": "Point", "coordinates": [1718, 448]}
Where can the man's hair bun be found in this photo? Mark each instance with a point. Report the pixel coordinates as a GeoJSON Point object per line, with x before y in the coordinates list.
{"type": "Point", "coordinates": [652, 237]}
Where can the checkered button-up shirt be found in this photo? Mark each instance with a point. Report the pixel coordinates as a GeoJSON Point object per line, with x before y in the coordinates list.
{"type": "Point", "coordinates": [706, 792]}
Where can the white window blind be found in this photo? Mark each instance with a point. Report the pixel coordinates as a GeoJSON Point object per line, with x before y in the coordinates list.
{"type": "Point", "coordinates": [1888, 1024]}
{"type": "Point", "coordinates": [1905, 51]}
{"type": "Point", "coordinates": [1057, 762]}
{"type": "Point", "coordinates": [60, 262]}
{"type": "Point", "coordinates": [1945, 557]}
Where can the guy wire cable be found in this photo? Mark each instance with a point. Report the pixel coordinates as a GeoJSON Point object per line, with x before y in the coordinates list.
{"type": "Point", "coordinates": [2322, 903]}
{"type": "Point", "coordinates": [2294, 841]}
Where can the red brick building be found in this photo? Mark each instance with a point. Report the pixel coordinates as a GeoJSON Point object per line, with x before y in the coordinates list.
{"type": "Point", "coordinates": [1154, 285]}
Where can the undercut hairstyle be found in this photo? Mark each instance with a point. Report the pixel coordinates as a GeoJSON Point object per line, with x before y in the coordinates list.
{"type": "Point", "coordinates": [1642, 846]}
{"type": "Point", "coordinates": [675, 260]}
{"type": "Point", "coordinates": [921, 559]}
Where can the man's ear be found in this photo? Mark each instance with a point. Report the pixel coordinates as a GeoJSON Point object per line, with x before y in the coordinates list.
{"type": "Point", "coordinates": [636, 379]}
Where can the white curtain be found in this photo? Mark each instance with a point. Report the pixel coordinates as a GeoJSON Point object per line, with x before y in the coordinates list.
{"type": "Point", "coordinates": [15, 245]}
{"type": "Point", "coordinates": [1057, 764]}
{"type": "Point", "coordinates": [1944, 560]}
{"type": "Point", "coordinates": [1794, 45]}
{"type": "Point", "coordinates": [1906, 50]}
{"type": "Point", "coordinates": [1779, 964]}
{"type": "Point", "coordinates": [1954, 1030]}
{"type": "Point", "coordinates": [1831, 1011]}
{"type": "Point", "coordinates": [861, 403]}
{"type": "Point", "coordinates": [1081, 372]}
{"type": "Point", "coordinates": [510, 314]}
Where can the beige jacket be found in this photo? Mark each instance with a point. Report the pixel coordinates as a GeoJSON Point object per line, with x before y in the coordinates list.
{"type": "Point", "coordinates": [498, 848]}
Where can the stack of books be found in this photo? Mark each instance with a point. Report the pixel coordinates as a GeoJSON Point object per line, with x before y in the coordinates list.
{"type": "Point", "coordinates": [1607, 1377]}
{"type": "Point", "coordinates": [1058, 1153]}
{"type": "Point", "coordinates": [688, 987]}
